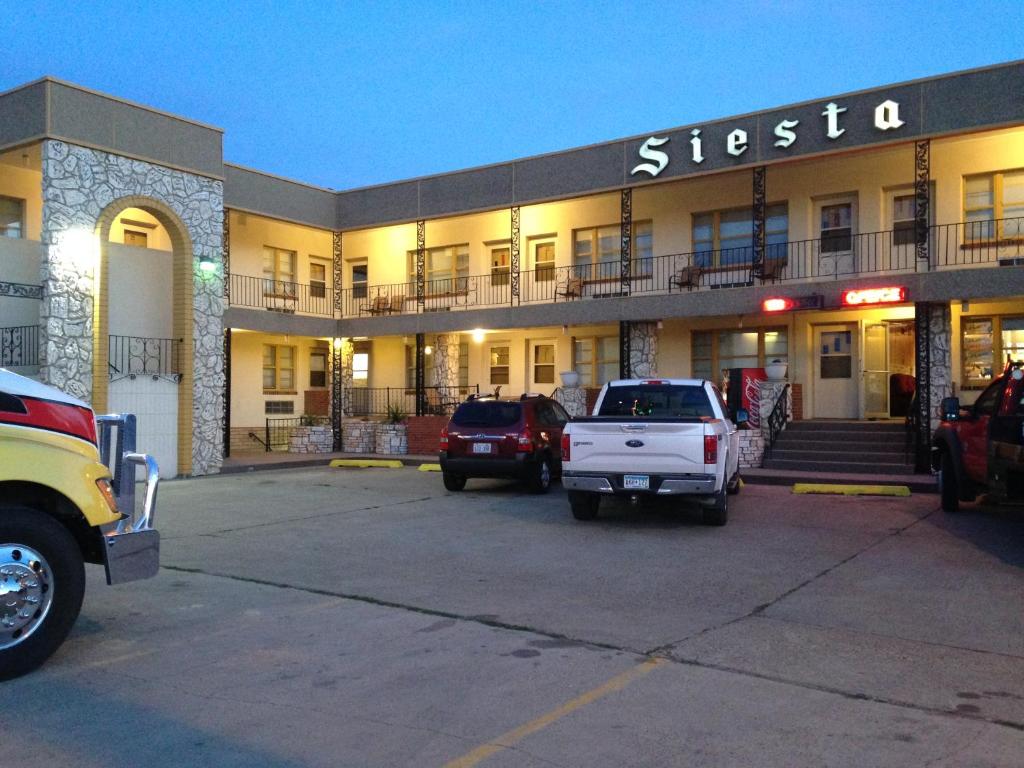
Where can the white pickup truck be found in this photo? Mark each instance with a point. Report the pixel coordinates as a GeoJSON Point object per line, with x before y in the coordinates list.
{"type": "Point", "coordinates": [659, 437]}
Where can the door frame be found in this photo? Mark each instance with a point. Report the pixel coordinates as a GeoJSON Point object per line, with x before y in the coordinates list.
{"type": "Point", "coordinates": [856, 328]}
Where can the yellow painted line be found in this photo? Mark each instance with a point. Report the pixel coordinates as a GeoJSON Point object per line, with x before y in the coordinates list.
{"type": "Point", "coordinates": [430, 467]}
{"type": "Point", "coordinates": [367, 463]}
{"type": "Point", "coordinates": [852, 490]}
{"type": "Point", "coordinates": [509, 738]}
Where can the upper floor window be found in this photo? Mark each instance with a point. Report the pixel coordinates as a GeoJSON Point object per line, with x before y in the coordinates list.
{"type": "Point", "coordinates": [278, 271]}
{"type": "Point", "coordinates": [317, 279]}
{"type": "Point", "coordinates": [360, 279]}
{"type": "Point", "coordinates": [442, 267]}
{"type": "Point", "coordinates": [278, 367]}
{"type": "Point", "coordinates": [904, 220]}
{"type": "Point", "coordinates": [603, 245]}
{"type": "Point", "coordinates": [726, 238]}
{"type": "Point", "coordinates": [501, 263]}
{"type": "Point", "coordinates": [836, 227]}
{"type": "Point", "coordinates": [994, 205]}
{"type": "Point", "coordinates": [542, 251]}
{"type": "Point", "coordinates": [12, 217]}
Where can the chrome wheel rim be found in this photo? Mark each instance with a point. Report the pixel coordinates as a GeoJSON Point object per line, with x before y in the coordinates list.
{"type": "Point", "coordinates": [26, 593]}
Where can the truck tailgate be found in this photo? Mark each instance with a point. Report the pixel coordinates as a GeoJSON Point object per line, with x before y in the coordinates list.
{"type": "Point", "coordinates": [646, 447]}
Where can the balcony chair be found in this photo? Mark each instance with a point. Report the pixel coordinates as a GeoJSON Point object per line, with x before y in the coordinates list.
{"type": "Point", "coordinates": [571, 289]}
{"type": "Point", "coordinates": [378, 306]}
{"type": "Point", "coordinates": [396, 306]}
{"type": "Point", "coordinates": [771, 269]}
{"type": "Point", "coordinates": [687, 277]}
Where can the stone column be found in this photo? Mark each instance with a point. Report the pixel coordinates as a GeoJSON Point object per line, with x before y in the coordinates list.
{"type": "Point", "coordinates": [445, 367]}
{"type": "Point", "coordinates": [344, 361]}
{"type": "Point", "coordinates": [643, 349]}
{"type": "Point", "coordinates": [940, 375]}
{"type": "Point", "coordinates": [573, 399]}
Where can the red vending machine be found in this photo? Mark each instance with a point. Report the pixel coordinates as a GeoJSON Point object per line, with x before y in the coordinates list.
{"type": "Point", "coordinates": [743, 391]}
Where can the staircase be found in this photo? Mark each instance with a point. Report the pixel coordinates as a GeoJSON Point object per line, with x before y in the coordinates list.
{"type": "Point", "coordinates": [842, 447]}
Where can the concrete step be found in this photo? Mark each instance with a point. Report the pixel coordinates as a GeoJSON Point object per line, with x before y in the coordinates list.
{"type": "Point", "coordinates": [844, 438]}
{"type": "Point", "coordinates": [808, 443]}
{"type": "Point", "coordinates": [916, 483]}
{"type": "Point", "coordinates": [791, 453]}
{"type": "Point", "coordinates": [838, 425]}
{"type": "Point", "coordinates": [847, 467]}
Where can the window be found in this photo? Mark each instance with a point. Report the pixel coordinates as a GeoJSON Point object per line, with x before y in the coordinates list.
{"type": "Point", "coordinates": [715, 351]}
{"type": "Point", "coordinates": [278, 407]}
{"type": "Point", "coordinates": [501, 264]}
{"type": "Point", "coordinates": [278, 368]}
{"type": "Point", "coordinates": [994, 205]}
{"type": "Point", "coordinates": [836, 227]}
{"type": "Point", "coordinates": [464, 366]}
{"type": "Point", "coordinates": [988, 401]}
{"type": "Point", "coordinates": [499, 358]}
{"type": "Point", "coordinates": [317, 279]}
{"type": "Point", "coordinates": [136, 239]}
{"type": "Point", "coordinates": [410, 366]}
{"type": "Point", "coordinates": [544, 363]}
{"type": "Point", "coordinates": [278, 272]}
{"type": "Point", "coordinates": [596, 360]}
{"type": "Point", "coordinates": [904, 222]}
{"type": "Point", "coordinates": [726, 238]}
{"type": "Point", "coordinates": [12, 217]}
{"type": "Point", "coordinates": [318, 367]}
{"type": "Point", "coordinates": [543, 260]}
{"type": "Point", "coordinates": [360, 280]}
{"type": "Point", "coordinates": [446, 269]}
{"type": "Point", "coordinates": [598, 246]}
{"type": "Point", "coordinates": [361, 364]}
{"type": "Point", "coordinates": [986, 344]}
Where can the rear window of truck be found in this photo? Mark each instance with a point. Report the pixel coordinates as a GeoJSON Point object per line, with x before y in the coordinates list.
{"type": "Point", "coordinates": [657, 401]}
{"type": "Point", "coordinates": [492, 413]}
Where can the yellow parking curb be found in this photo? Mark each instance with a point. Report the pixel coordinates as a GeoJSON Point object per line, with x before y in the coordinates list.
{"type": "Point", "coordinates": [852, 490]}
{"type": "Point", "coordinates": [367, 463]}
{"type": "Point", "coordinates": [430, 467]}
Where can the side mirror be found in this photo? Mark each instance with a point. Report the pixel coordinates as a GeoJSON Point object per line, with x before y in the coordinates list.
{"type": "Point", "coordinates": [742, 417]}
{"type": "Point", "coordinates": [950, 408]}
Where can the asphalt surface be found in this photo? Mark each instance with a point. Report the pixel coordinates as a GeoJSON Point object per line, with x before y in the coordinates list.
{"type": "Point", "coordinates": [325, 617]}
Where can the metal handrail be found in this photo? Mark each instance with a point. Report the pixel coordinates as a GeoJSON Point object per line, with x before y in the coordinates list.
{"type": "Point", "coordinates": [776, 420]}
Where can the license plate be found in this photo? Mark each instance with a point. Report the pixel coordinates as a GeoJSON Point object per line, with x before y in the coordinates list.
{"type": "Point", "coordinates": [481, 447]}
{"type": "Point", "coordinates": [636, 482]}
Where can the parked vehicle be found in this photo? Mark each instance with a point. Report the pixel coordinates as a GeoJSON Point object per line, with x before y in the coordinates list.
{"type": "Point", "coordinates": [657, 437]}
{"type": "Point", "coordinates": [492, 437]}
{"type": "Point", "coordinates": [59, 508]}
{"type": "Point", "coordinates": [980, 449]}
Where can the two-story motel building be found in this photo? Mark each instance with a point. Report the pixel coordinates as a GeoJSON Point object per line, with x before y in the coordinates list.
{"type": "Point", "coordinates": [140, 271]}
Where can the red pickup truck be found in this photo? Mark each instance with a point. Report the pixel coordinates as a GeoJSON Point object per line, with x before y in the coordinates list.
{"type": "Point", "coordinates": [980, 449]}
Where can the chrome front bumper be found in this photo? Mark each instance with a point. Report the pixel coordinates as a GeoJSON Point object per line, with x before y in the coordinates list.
{"type": "Point", "coordinates": [131, 549]}
{"type": "Point", "coordinates": [661, 485]}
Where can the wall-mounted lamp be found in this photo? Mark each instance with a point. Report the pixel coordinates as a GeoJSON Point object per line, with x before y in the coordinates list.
{"type": "Point", "coordinates": [338, 343]}
{"type": "Point", "coordinates": [660, 325]}
{"type": "Point", "coordinates": [427, 350]}
{"type": "Point", "coordinates": [206, 263]}
{"type": "Point", "coordinates": [478, 335]}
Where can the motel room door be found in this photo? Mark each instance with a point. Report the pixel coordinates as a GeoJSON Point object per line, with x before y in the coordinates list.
{"type": "Point", "coordinates": [835, 386]}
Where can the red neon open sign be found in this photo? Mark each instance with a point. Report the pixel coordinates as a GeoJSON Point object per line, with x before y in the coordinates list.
{"type": "Point", "coordinates": [858, 297]}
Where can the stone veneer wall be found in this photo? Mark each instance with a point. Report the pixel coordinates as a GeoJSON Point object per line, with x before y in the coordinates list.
{"type": "Point", "coordinates": [940, 371]}
{"type": "Point", "coordinates": [643, 349]}
{"type": "Point", "coordinates": [445, 369]}
{"type": "Point", "coordinates": [79, 185]}
{"type": "Point", "coordinates": [573, 399]}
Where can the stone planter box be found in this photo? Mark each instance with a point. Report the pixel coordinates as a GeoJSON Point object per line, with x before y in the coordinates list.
{"type": "Point", "coordinates": [751, 448]}
{"type": "Point", "coordinates": [392, 439]}
{"type": "Point", "coordinates": [358, 436]}
{"type": "Point", "coordinates": [317, 439]}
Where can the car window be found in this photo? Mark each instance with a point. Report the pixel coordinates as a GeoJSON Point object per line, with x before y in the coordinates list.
{"type": "Point", "coordinates": [988, 401]}
{"type": "Point", "coordinates": [667, 401]}
{"type": "Point", "coordinates": [487, 413]}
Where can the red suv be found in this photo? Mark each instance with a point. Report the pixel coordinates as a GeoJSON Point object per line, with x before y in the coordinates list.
{"type": "Point", "coordinates": [490, 437]}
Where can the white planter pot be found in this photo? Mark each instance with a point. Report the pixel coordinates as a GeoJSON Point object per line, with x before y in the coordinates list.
{"type": "Point", "coordinates": [570, 378]}
{"type": "Point", "coordinates": [775, 371]}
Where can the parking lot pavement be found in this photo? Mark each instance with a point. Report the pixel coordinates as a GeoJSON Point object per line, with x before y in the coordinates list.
{"type": "Point", "coordinates": [339, 617]}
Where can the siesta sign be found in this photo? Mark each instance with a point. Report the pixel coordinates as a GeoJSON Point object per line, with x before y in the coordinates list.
{"type": "Point", "coordinates": [785, 134]}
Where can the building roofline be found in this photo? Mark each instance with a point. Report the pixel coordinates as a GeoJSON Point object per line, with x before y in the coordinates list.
{"type": "Point", "coordinates": [277, 177]}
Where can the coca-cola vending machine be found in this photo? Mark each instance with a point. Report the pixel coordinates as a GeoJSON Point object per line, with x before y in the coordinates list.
{"type": "Point", "coordinates": [743, 391]}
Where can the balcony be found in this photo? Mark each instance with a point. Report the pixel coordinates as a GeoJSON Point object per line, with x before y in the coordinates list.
{"type": "Point", "coordinates": [830, 258]}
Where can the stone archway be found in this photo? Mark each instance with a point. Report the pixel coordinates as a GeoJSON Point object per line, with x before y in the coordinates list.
{"type": "Point", "coordinates": [182, 322]}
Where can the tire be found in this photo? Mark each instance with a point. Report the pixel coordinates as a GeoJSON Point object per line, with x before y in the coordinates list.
{"type": "Point", "coordinates": [735, 484]}
{"type": "Point", "coordinates": [42, 561]}
{"type": "Point", "coordinates": [949, 488]}
{"type": "Point", "coordinates": [718, 512]}
{"type": "Point", "coordinates": [584, 506]}
{"type": "Point", "coordinates": [540, 476]}
{"type": "Point", "coordinates": [454, 482]}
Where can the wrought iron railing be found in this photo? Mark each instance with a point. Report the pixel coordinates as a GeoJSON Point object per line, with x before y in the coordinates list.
{"type": "Point", "coordinates": [378, 401]}
{"type": "Point", "coordinates": [140, 355]}
{"type": "Point", "coordinates": [281, 295]}
{"type": "Point", "coordinates": [19, 345]}
{"type": "Point", "coordinates": [776, 420]}
{"type": "Point", "coordinates": [278, 431]}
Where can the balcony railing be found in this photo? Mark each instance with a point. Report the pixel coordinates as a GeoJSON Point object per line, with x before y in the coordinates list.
{"type": "Point", "coordinates": [831, 257]}
{"type": "Point", "coordinates": [281, 295]}
{"type": "Point", "coordinates": [19, 345]}
{"type": "Point", "coordinates": [139, 355]}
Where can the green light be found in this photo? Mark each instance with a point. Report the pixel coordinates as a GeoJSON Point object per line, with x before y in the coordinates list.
{"type": "Point", "coordinates": [207, 264]}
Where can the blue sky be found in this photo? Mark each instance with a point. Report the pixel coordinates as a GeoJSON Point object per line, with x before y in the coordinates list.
{"type": "Point", "coordinates": [345, 94]}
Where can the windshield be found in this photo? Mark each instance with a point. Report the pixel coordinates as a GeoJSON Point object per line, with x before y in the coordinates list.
{"type": "Point", "coordinates": [666, 401]}
{"type": "Point", "coordinates": [486, 413]}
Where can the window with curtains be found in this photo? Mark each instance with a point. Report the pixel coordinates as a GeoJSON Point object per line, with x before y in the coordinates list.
{"type": "Point", "coordinates": [318, 367]}
{"type": "Point", "coordinates": [317, 279]}
{"type": "Point", "coordinates": [596, 251]}
{"type": "Point", "coordinates": [278, 368]}
{"type": "Point", "coordinates": [596, 360]}
{"type": "Point", "coordinates": [904, 222]}
{"type": "Point", "coordinates": [499, 364]}
{"type": "Point", "coordinates": [446, 269]}
{"type": "Point", "coordinates": [278, 272]}
{"type": "Point", "coordinates": [726, 238]}
{"type": "Point", "coordinates": [714, 351]}
{"type": "Point", "coordinates": [986, 344]}
{"type": "Point", "coordinates": [12, 217]}
{"type": "Point", "coordinates": [994, 206]}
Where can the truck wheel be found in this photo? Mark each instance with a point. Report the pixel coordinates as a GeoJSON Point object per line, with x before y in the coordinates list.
{"type": "Point", "coordinates": [949, 489]}
{"type": "Point", "coordinates": [718, 512]}
{"type": "Point", "coordinates": [735, 484]}
{"type": "Point", "coordinates": [454, 482]}
{"type": "Point", "coordinates": [540, 476]}
{"type": "Point", "coordinates": [584, 505]}
{"type": "Point", "coordinates": [42, 581]}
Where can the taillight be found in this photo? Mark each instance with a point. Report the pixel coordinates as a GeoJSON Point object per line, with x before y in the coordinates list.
{"type": "Point", "coordinates": [444, 439]}
{"type": "Point", "coordinates": [525, 441]}
{"type": "Point", "coordinates": [565, 447]}
{"type": "Point", "coordinates": [710, 449]}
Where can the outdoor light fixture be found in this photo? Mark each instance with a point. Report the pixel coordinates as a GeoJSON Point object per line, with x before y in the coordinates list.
{"type": "Point", "coordinates": [338, 343]}
{"type": "Point", "coordinates": [785, 303]}
{"type": "Point", "coordinates": [478, 335]}
{"type": "Point", "coordinates": [206, 263]}
{"type": "Point", "coordinates": [776, 305]}
{"type": "Point", "coordinates": [857, 297]}
{"type": "Point", "coordinates": [428, 350]}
